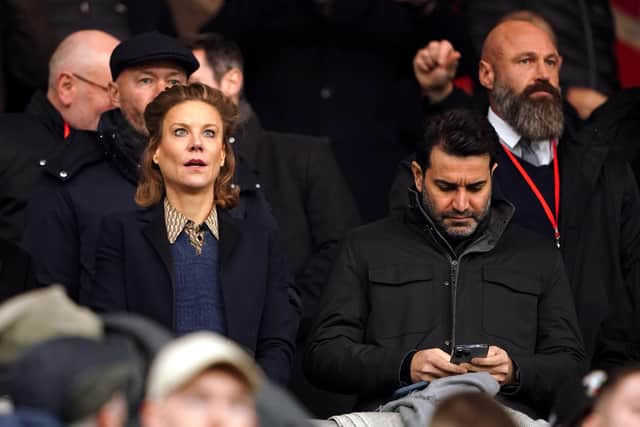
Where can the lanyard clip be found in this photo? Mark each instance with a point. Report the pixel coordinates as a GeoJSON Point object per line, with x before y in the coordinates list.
{"type": "Point", "coordinates": [557, 236]}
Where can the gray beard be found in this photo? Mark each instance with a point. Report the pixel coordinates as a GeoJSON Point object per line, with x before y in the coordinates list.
{"type": "Point", "coordinates": [439, 222]}
{"type": "Point", "coordinates": [532, 119]}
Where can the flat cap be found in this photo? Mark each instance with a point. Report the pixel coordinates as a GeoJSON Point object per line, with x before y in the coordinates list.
{"type": "Point", "coordinates": [148, 47]}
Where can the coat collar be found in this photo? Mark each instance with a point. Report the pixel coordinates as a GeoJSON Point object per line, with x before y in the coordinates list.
{"type": "Point", "coordinates": [40, 107]}
{"type": "Point", "coordinates": [121, 143]}
{"type": "Point", "coordinates": [500, 215]}
{"type": "Point", "coordinates": [155, 231]}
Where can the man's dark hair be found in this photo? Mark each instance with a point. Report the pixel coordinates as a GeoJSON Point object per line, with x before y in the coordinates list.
{"type": "Point", "coordinates": [460, 133]}
{"type": "Point", "coordinates": [221, 53]}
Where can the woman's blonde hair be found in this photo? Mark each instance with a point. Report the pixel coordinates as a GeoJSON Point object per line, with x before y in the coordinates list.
{"type": "Point", "coordinates": [151, 189]}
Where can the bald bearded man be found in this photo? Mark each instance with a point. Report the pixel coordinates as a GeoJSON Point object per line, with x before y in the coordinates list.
{"type": "Point", "coordinates": [77, 94]}
{"type": "Point", "coordinates": [562, 179]}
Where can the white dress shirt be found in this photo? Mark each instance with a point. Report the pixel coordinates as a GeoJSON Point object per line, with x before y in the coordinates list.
{"type": "Point", "coordinates": [510, 138]}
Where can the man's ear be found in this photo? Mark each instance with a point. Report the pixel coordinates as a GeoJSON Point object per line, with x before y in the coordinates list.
{"type": "Point", "coordinates": [231, 83]}
{"type": "Point", "coordinates": [114, 94]}
{"type": "Point", "coordinates": [418, 176]}
{"type": "Point", "coordinates": [493, 168]}
{"type": "Point", "coordinates": [65, 88]}
{"type": "Point", "coordinates": [486, 74]}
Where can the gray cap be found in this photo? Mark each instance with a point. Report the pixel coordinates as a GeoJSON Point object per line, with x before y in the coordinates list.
{"type": "Point", "coordinates": [39, 315]}
{"type": "Point", "coordinates": [186, 357]}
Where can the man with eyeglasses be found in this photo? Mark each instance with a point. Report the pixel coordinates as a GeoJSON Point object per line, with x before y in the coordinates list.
{"type": "Point", "coordinates": [76, 95]}
{"type": "Point", "coordinates": [97, 173]}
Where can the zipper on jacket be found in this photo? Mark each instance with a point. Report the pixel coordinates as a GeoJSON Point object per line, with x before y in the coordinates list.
{"type": "Point", "coordinates": [454, 264]}
{"type": "Point", "coordinates": [455, 269]}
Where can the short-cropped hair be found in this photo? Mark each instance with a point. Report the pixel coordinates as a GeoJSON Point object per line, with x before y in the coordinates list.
{"type": "Point", "coordinates": [460, 133]}
{"type": "Point", "coordinates": [222, 53]}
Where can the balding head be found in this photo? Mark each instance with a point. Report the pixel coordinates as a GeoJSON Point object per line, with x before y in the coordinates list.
{"type": "Point", "coordinates": [514, 33]}
{"type": "Point", "coordinates": [79, 77]}
{"type": "Point", "coordinates": [520, 67]}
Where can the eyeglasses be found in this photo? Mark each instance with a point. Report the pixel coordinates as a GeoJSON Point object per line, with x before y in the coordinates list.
{"type": "Point", "coordinates": [91, 82]}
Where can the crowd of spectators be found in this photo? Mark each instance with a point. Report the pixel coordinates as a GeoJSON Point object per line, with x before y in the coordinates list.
{"type": "Point", "coordinates": [273, 213]}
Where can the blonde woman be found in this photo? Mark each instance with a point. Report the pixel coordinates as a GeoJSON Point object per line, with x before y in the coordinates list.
{"type": "Point", "coordinates": [181, 259]}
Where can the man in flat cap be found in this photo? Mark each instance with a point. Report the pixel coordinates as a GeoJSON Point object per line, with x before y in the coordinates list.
{"type": "Point", "coordinates": [98, 173]}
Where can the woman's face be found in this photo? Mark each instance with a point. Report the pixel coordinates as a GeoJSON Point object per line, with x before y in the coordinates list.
{"type": "Point", "coordinates": [191, 150]}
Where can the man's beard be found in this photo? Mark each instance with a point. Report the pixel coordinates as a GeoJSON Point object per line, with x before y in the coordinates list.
{"type": "Point", "coordinates": [533, 119]}
{"type": "Point", "coordinates": [450, 232]}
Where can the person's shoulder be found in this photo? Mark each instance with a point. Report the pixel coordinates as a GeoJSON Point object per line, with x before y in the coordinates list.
{"type": "Point", "coordinates": [11, 251]}
{"type": "Point", "coordinates": [255, 222]}
{"type": "Point", "coordinates": [287, 138]}
{"type": "Point", "coordinates": [298, 144]}
{"type": "Point", "coordinates": [379, 231]}
{"type": "Point", "coordinates": [74, 158]}
{"type": "Point", "coordinates": [22, 133]}
{"type": "Point", "coordinates": [137, 216]}
{"type": "Point", "coordinates": [20, 122]}
{"type": "Point", "coordinates": [531, 243]}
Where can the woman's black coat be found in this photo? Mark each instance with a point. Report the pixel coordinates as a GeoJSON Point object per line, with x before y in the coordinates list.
{"type": "Point", "coordinates": [134, 273]}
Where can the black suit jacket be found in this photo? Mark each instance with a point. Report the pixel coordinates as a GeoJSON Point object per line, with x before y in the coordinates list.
{"type": "Point", "coordinates": [309, 199]}
{"type": "Point", "coordinates": [134, 273]}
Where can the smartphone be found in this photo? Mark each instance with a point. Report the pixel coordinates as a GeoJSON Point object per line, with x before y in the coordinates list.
{"type": "Point", "coordinates": [463, 353]}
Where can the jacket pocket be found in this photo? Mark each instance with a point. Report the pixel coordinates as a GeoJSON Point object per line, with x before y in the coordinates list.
{"type": "Point", "coordinates": [400, 300]}
{"type": "Point", "coordinates": [510, 306]}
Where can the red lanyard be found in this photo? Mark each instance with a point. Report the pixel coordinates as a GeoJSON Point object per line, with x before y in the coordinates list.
{"type": "Point", "coordinates": [67, 130]}
{"type": "Point", "coordinates": [553, 219]}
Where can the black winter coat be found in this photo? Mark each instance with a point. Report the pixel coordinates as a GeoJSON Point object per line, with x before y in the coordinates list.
{"type": "Point", "coordinates": [26, 141]}
{"type": "Point", "coordinates": [600, 232]}
{"type": "Point", "coordinates": [94, 176]}
{"type": "Point", "coordinates": [309, 199]}
{"type": "Point", "coordinates": [134, 273]}
{"type": "Point", "coordinates": [398, 287]}
{"type": "Point", "coordinates": [16, 271]}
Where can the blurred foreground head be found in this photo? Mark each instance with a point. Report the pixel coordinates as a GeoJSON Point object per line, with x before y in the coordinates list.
{"type": "Point", "coordinates": [470, 409]}
{"type": "Point", "coordinates": [601, 400]}
{"type": "Point", "coordinates": [42, 314]}
{"type": "Point", "coordinates": [199, 380]}
{"type": "Point", "coordinates": [78, 381]}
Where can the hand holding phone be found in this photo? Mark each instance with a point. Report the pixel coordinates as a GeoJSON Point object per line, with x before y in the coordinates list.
{"type": "Point", "coordinates": [496, 362]}
{"type": "Point", "coordinates": [433, 363]}
{"type": "Point", "coordinates": [463, 353]}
